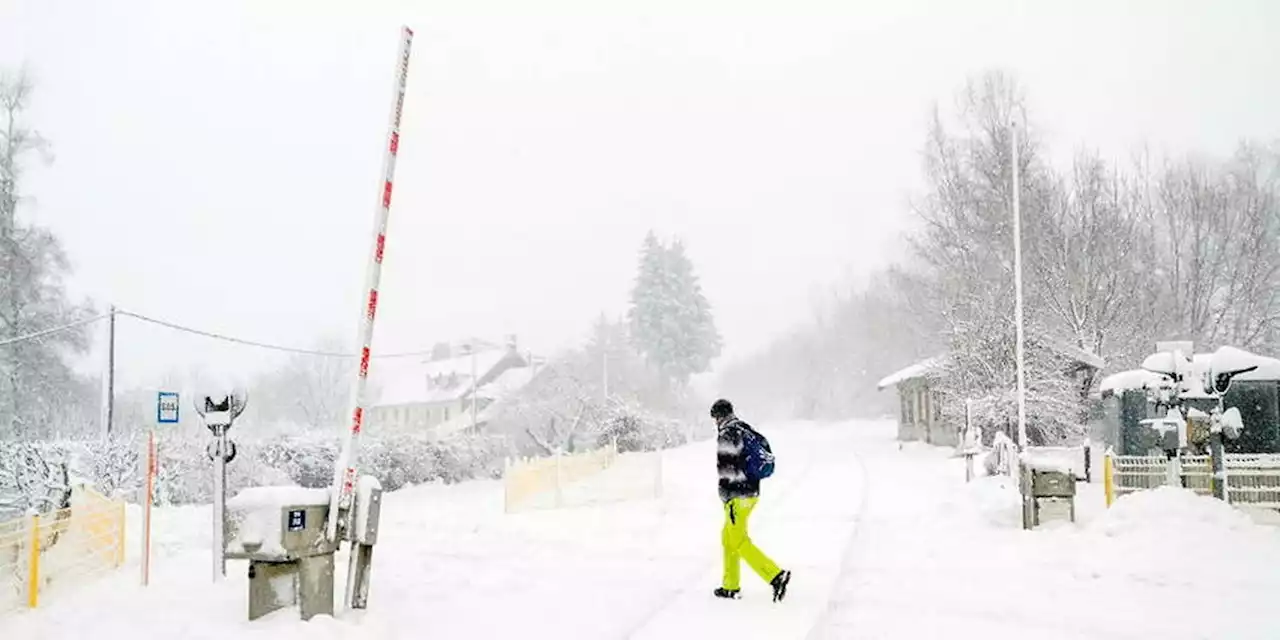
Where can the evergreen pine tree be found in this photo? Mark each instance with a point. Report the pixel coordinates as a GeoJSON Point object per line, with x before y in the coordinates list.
{"type": "Point", "coordinates": [671, 320]}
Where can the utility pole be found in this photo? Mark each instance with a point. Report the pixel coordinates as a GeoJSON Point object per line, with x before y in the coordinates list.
{"type": "Point", "coordinates": [109, 377]}
{"type": "Point", "coordinates": [1017, 277]}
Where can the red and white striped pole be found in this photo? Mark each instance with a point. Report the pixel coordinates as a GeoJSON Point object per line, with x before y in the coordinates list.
{"type": "Point", "coordinates": [344, 474]}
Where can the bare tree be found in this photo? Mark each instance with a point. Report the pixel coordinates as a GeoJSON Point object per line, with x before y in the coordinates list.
{"type": "Point", "coordinates": [1088, 258]}
{"type": "Point", "coordinates": [307, 390]}
{"type": "Point", "coordinates": [1217, 235]}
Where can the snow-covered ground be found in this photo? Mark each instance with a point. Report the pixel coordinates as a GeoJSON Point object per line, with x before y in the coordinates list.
{"type": "Point", "coordinates": [884, 544]}
{"type": "Point", "coordinates": [935, 558]}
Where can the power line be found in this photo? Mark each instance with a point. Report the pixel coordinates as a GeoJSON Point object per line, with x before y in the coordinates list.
{"type": "Point", "coordinates": [261, 345]}
{"type": "Point", "coordinates": [208, 334]}
{"type": "Point", "coordinates": [47, 332]}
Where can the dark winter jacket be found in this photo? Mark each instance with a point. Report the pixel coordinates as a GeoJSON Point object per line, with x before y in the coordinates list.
{"type": "Point", "coordinates": [731, 462]}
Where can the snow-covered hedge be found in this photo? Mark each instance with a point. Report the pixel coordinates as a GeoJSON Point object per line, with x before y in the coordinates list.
{"type": "Point", "coordinates": [37, 475]}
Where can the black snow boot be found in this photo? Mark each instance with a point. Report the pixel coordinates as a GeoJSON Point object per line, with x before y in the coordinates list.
{"type": "Point", "coordinates": [779, 584]}
{"type": "Point", "coordinates": [731, 594]}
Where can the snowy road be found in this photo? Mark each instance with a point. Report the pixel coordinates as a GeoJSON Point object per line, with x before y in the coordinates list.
{"type": "Point", "coordinates": [883, 543]}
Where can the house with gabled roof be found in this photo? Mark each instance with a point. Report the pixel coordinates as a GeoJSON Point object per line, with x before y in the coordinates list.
{"type": "Point", "coordinates": [435, 396]}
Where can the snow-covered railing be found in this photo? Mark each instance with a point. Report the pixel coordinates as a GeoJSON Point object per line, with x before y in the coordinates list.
{"type": "Point", "coordinates": [1251, 479]}
{"type": "Point", "coordinates": [1135, 473]}
{"type": "Point", "coordinates": [60, 548]}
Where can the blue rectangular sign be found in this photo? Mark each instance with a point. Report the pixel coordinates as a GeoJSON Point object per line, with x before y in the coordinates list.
{"type": "Point", "coordinates": [167, 408]}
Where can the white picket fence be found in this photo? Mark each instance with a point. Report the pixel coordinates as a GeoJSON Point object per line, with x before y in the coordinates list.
{"type": "Point", "coordinates": [1251, 479]}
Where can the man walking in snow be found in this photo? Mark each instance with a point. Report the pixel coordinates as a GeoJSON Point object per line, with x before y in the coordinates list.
{"type": "Point", "coordinates": [740, 491]}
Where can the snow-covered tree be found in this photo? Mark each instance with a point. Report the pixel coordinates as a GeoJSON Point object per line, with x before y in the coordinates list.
{"type": "Point", "coordinates": [670, 318]}
{"type": "Point", "coordinates": [307, 390]}
{"type": "Point", "coordinates": [36, 384]}
{"type": "Point", "coordinates": [1090, 263]}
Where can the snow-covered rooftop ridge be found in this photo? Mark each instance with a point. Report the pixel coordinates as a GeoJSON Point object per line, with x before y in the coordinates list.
{"type": "Point", "coordinates": [917, 370]}
{"type": "Point", "coordinates": [485, 361]}
{"type": "Point", "coordinates": [409, 383]}
{"type": "Point", "coordinates": [926, 367]}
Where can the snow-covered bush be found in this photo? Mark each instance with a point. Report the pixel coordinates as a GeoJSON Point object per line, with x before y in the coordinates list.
{"type": "Point", "coordinates": [308, 461]}
{"type": "Point", "coordinates": [116, 467]}
{"type": "Point", "coordinates": [38, 475]}
{"type": "Point", "coordinates": [33, 476]}
{"type": "Point", "coordinates": [634, 429]}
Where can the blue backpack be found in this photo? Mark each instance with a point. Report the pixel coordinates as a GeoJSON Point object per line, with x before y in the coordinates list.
{"type": "Point", "coordinates": [758, 453]}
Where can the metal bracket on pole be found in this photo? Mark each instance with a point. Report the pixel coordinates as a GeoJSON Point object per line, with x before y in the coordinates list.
{"type": "Point", "coordinates": [218, 416]}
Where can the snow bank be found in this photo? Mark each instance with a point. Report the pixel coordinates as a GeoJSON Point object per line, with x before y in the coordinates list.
{"type": "Point", "coordinates": [937, 557]}
{"type": "Point", "coordinates": [1171, 512]}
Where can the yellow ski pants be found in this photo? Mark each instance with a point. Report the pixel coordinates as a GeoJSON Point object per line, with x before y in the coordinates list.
{"type": "Point", "coordinates": [738, 546]}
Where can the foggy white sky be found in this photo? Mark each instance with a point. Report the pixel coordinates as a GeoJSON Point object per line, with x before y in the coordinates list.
{"type": "Point", "coordinates": [217, 162]}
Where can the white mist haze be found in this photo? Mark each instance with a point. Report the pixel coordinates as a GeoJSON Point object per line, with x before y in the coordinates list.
{"type": "Point", "coordinates": [216, 164]}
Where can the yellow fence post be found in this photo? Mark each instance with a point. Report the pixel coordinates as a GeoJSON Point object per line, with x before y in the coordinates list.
{"type": "Point", "coordinates": [33, 564]}
{"type": "Point", "coordinates": [120, 513]}
{"type": "Point", "coordinates": [1108, 478]}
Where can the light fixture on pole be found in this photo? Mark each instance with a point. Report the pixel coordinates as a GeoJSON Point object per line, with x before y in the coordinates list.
{"type": "Point", "coordinates": [1017, 278]}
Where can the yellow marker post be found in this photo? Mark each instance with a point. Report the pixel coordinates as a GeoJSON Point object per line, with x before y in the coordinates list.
{"type": "Point", "coordinates": [33, 565]}
{"type": "Point", "coordinates": [1108, 478]}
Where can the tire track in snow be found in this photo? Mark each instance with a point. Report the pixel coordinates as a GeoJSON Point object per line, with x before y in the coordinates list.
{"type": "Point", "coordinates": [847, 557]}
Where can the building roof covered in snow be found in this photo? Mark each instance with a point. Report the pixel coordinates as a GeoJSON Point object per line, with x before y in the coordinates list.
{"type": "Point", "coordinates": [921, 369]}
{"type": "Point", "coordinates": [936, 364]}
{"type": "Point", "coordinates": [507, 383]}
{"type": "Point", "coordinates": [447, 380]}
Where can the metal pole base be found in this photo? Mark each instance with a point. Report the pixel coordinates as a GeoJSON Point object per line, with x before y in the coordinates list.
{"type": "Point", "coordinates": [361, 569]}
{"type": "Point", "coordinates": [272, 586]}
{"type": "Point", "coordinates": [316, 585]}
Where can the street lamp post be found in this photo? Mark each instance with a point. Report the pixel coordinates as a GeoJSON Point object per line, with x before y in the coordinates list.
{"type": "Point", "coordinates": [1017, 277]}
